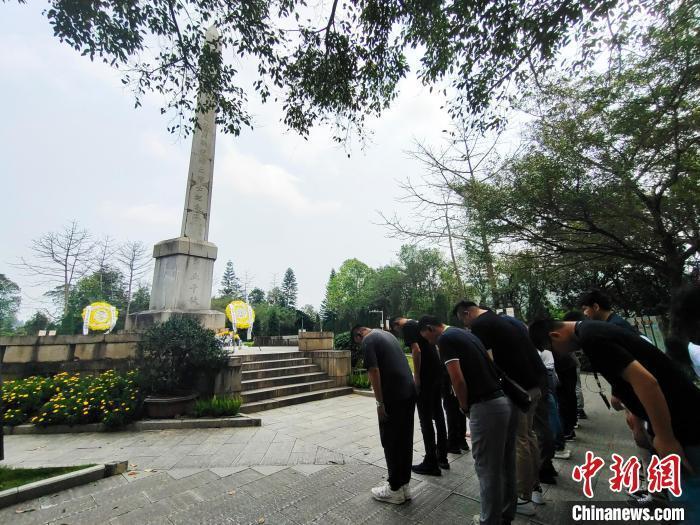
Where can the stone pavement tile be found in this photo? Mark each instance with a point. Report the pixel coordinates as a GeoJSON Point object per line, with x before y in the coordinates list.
{"type": "Point", "coordinates": [239, 507]}
{"type": "Point", "coordinates": [158, 511]}
{"type": "Point", "coordinates": [201, 462]}
{"type": "Point", "coordinates": [179, 473]}
{"type": "Point", "coordinates": [424, 501]}
{"type": "Point", "coordinates": [266, 470]}
{"type": "Point", "coordinates": [132, 490]}
{"type": "Point", "coordinates": [325, 456]}
{"type": "Point", "coordinates": [274, 500]}
{"type": "Point", "coordinates": [385, 515]}
{"type": "Point", "coordinates": [102, 513]}
{"type": "Point", "coordinates": [455, 509]}
{"type": "Point", "coordinates": [278, 453]}
{"type": "Point", "coordinates": [226, 471]}
{"type": "Point", "coordinates": [316, 503]}
{"type": "Point", "coordinates": [363, 481]}
{"type": "Point", "coordinates": [194, 481]}
{"type": "Point", "coordinates": [307, 470]}
{"type": "Point", "coordinates": [223, 485]}
{"type": "Point", "coordinates": [48, 513]}
{"type": "Point", "coordinates": [470, 488]}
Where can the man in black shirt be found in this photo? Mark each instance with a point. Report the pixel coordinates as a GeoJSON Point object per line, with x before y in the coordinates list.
{"type": "Point", "coordinates": [395, 395]}
{"type": "Point", "coordinates": [597, 306]}
{"type": "Point", "coordinates": [648, 383]}
{"type": "Point", "coordinates": [492, 417]}
{"type": "Point", "coordinates": [515, 354]}
{"type": "Point", "coordinates": [427, 373]}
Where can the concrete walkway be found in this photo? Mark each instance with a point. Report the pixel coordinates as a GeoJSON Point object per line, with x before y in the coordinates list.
{"type": "Point", "coordinates": [312, 463]}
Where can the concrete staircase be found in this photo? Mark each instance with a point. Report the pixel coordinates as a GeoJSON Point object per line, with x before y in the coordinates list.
{"type": "Point", "coordinates": [274, 380]}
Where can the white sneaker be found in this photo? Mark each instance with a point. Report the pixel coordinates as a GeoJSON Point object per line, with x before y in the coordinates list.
{"type": "Point", "coordinates": [476, 519]}
{"type": "Point", "coordinates": [524, 507]}
{"type": "Point", "coordinates": [407, 492]}
{"type": "Point", "coordinates": [384, 493]}
{"type": "Point", "coordinates": [537, 496]}
{"type": "Point", "coordinates": [562, 454]}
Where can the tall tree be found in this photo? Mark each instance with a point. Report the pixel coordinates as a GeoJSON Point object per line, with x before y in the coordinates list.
{"type": "Point", "coordinates": [60, 258]}
{"type": "Point", "coordinates": [135, 261]}
{"type": "Point", "coordinates": [140, 299]}
{"type": "Point", "coordinates": [256, 296]}
{"type": "Point", "coordinates": [289, 289]}
{"type": "Point", "coordinates": [10, 300]}
{"type": "Point", "coordinates": [338, 61]}
{"type": "Point", "coordinates": [104, 251]}
{"type": "Point", "coordinates": [230, 285]}
{"type": "Point", "coordinates": [612, 171]}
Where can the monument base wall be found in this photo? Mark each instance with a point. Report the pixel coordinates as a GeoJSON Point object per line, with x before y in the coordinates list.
{"type": "Point", "coordinates": [212, 319]}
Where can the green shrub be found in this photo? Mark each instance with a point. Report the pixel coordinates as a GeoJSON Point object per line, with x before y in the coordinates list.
{"type": "Point", "coordinates": [343, 341]}
{"type": "Point", "coordinates": [360, 379]}
{"type": "Point", "coordinates": [175, 351]}
{"type": "Point", "coordinates": [217, 407]}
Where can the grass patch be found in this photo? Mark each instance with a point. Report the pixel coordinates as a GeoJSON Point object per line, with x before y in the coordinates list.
{"type": "Point", "coordinates": [14, 477]}
{"type": "Point", "coordinates": [217, 407]}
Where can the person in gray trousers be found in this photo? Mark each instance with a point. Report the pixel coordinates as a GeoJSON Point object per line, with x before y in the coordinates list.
{"type": "Point", "coordinates": [492, 417]}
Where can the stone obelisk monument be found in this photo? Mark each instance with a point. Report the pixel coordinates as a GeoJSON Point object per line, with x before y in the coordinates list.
{"type": "Point", "coordinates": [182, 279]}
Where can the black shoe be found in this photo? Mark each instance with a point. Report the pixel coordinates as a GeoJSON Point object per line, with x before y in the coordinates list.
{"type": "Point", "coordinates": [444, 464]}
{"type": "Point", "coordinates": [465, 446]}
{"type": "Point", "coordinates": [582, 415]}
{"type": "Point", "coordinates": [428, 470]}
{"type": "Point", "coordinates": [548, 478]}
{"type": "Point", "coordinates": [454, 450]}
{"type": "Point", "coordinates": [571, 436]}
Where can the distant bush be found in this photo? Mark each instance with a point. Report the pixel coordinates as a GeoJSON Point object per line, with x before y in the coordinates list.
{"type": "Point", "coordinates": [343, 341]}
{"type": "Point", "coordinates": [360, 379]}
{"type": "Point", "coordinates": [217, 407]}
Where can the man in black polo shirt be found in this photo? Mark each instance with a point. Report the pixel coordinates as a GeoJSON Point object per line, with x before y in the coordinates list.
{"type": "Point", "coordinates": [395, 395]}
{"type": "Point", "coordinates": [515, 354]}
{"type": "Point", "coordinates": [597, 306]}
{"type": "Point", "coordinates": [648, 383]}
{"type": "Point", "coordinates": [492, 417]}
{"type": "Point", "coordinates": [427, 373]}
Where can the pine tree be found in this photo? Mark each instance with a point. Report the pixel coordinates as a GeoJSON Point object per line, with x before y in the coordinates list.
{"type": "Point", "coordinates": [289, 289]}
{"type": "Point", "coordinates": [230, 285]}
{"type": "Point", "coordinates": [326, 315]}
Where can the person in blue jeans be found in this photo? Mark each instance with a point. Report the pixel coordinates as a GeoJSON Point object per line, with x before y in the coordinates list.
{"type": "Point", "coordinates": [492, 417]}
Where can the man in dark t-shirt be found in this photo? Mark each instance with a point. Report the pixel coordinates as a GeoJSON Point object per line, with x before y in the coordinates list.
{"type": "Point", "coordinates": [492, 417]}
{"type": "Point", "coordinates": [395, 395]}
{"type": "Point", "coordinates": [597, 306]}
{"type": "Point", "coordinates": [649, 384]}
{"type": "Point", "coordinates": [427, 373]}
{"type": "Point", "coordinates": [513, 352]}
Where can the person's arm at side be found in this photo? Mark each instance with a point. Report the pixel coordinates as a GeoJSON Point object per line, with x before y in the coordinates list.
{"type": "Point", "coordinates": [654, 402]}
{"type": "Point", "coordinates": [459, 385]}
{"type": "Point", "coordinates": [376, 379]}
{"type": "Point", "coordinates": [415, 353]}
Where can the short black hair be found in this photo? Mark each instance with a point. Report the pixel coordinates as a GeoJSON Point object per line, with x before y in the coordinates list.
{"type": "Point", "coordinates": [355, 329]}
{"type": "Point", "coordinates": [393, 320]}
{"type": "Point", "coordinates": [592, 297]}
{"type": "Point", "coordinates": [428, 320]}
{"type": "Point", "coordinates": [464, 303]}
{"type": "Point", "coordinates": [574, 315]}
{"type": "Point", "coordinates": [539, 332]}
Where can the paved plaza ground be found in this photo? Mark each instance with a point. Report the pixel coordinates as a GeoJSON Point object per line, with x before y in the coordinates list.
{"type": "Point", "coordinates": [311, 463]}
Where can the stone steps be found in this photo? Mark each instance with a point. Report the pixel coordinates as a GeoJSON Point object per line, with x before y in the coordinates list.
{"type": "Point", "coordinates": [274, 363]}
{"type": "Point", "coordinates": [276, 380]}
{"type": "Point", "coordinates": [279, 402]}
{"type": "Point", "coordinates": [258, 383]}
{"type": "Point", "coordinates": [265, 373]}
{"type": "Point", "coordinates": [284, 390]}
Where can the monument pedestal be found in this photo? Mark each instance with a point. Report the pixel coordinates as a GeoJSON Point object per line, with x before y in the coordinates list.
{"type": "Point", "coordinates": [182, 283]}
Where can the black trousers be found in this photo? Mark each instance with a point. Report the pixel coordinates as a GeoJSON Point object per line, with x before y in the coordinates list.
{"type": "Point", "coordinates": [396, 435]}
{"type": "Point", "coordinates": [456, 421]}
{"type": "Point", "coordinates": [545, 436]}
{"type": "Point", "coordinates": [429, 410]}
{"type": "Point", "coordinates": [566, 395]}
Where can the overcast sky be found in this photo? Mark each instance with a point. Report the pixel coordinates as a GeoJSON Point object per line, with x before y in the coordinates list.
{"type": "Point", "coordinates": [74, 147]}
